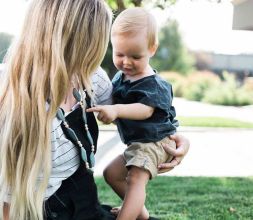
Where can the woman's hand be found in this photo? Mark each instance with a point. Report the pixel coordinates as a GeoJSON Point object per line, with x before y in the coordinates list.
{"type": "Point", "coordinates": [183, 146]}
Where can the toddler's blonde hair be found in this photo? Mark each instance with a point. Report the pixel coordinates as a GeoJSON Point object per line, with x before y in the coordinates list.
{"type": "Point", "coordinates": [134, 20]}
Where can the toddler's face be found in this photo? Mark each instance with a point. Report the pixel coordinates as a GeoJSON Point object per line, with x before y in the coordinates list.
{"type": "Point", "coordinates": [131, 53]}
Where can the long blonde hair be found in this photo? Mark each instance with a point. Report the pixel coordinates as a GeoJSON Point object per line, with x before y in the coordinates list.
{"type": "Point", "coordinates": [60, 39]}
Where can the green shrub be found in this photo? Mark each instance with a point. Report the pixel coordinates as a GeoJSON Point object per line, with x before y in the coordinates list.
{"type": "Point", "coordinates": [177, 80]}
{"type": "Point", "coordinates": [198, 83]}
{"type": "Point", "coordinates": [207, 86]}
{"type": "Point", "coordinates": [229, 93]}
{"type": "Point", "coordinates": [225, 95]}
{"type": "Point", "coordinates": [248, 84]}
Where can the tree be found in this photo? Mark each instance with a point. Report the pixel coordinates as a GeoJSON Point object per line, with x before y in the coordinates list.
{"type": "Point", "coordinates": [171, 53]}
{"type": "Point", "coordinates": [120, 5]}
{"type": "Point", "coordinates": [5, 41]}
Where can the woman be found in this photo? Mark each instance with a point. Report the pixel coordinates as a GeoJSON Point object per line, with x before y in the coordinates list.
{"type": "Point", "coordinates": [47, 140]}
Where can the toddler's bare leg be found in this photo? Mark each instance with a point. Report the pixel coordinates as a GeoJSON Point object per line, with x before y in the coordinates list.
{"type": "Point", "coordinates": [133, 204]}
{"type": "Point", "coordinates": [115, 175]}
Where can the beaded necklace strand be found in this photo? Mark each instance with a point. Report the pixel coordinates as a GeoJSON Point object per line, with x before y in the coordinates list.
{"type": "Point", "coordinates": [81, 99]}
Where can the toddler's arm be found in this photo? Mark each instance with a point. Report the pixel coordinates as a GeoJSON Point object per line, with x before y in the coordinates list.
{"type": "Point", "coordinates": [135, 111]}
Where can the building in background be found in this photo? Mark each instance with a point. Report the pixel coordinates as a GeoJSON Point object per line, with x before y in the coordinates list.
{"type": "Point", "coordinates": [243, 16]}
{"type": "Point", "coordinates": [239, 64]}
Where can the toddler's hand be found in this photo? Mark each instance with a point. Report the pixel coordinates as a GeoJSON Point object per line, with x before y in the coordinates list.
{"type": "Point", "coordinates": [106, 113]}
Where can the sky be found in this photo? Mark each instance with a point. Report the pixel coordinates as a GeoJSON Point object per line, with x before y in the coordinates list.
{"type": "Point", "coordinates": [207, 26]}
{"type": "Point", "coordinates": [204, 25]}
{"type": "Point", "coordinates": [11, 15]}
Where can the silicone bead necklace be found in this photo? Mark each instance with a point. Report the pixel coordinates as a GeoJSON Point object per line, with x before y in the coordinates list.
{"type": "Point", "coordinates": [80, 98]}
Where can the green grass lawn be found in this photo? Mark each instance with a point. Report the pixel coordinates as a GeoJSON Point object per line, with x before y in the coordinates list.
{"type": "Point", "coordinates": [198, 198]}
{"type": "Point", "coordinates": [203, 122]}
{"type": "Point", "coordinates": [213, 122]}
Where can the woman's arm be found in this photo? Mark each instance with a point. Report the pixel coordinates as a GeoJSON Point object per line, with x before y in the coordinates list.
{"type": "Point", "coordinates": [179, 153]}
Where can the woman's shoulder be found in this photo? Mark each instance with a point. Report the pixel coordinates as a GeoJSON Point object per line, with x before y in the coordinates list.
{"type": "Point", "coordinates": [101, 86]}
{"type": "Point", "coordinates": [99, 75]}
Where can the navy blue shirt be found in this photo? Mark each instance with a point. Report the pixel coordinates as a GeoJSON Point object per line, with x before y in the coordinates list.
{"type": "Point", "coordinates": [152, 91]}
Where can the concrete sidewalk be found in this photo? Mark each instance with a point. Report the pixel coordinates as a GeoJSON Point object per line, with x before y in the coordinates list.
{"type": "Point", "coordinates": [220, 152]}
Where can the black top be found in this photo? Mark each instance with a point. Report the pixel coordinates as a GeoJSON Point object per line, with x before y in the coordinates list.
{"type": "Point", "coordinates": [81, 185]}
{"type": "Point", "coordinates": [76, 123]}
{"type": "Point", "coordinates": [77, 197]}
{"type": "Point", "coordinates": [152, 91]}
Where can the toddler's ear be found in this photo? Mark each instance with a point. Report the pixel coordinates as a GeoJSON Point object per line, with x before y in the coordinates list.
{"type": "Point", "coordinates": [152, 50]}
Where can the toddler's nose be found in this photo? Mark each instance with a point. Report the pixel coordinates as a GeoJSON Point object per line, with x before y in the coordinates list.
{"type": "Point", "coordinates": [126, 61]}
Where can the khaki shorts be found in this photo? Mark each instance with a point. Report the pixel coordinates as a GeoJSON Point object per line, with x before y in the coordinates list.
{"type": "Point", "coordinates": [148, 155]}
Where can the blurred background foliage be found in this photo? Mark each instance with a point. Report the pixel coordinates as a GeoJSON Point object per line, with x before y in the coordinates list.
{"type": "Point", "coordinates": [179, 66]}
{"type": "Point", "coordinates": [208, 87]}
{"type": "Point", "coordinates": [172, 54]}
{"type": "Point", "coordinates": [5, 41]}
{"type": "Point", "coordinates": [187, 71]}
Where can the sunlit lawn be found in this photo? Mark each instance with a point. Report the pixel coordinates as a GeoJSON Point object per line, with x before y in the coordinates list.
{"type": "Point", "coordinates": [213, 122]}
{"type": "Point", "coordinates": [198, 198]}
{"type": "Point", "coordinates": [204, 122]}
